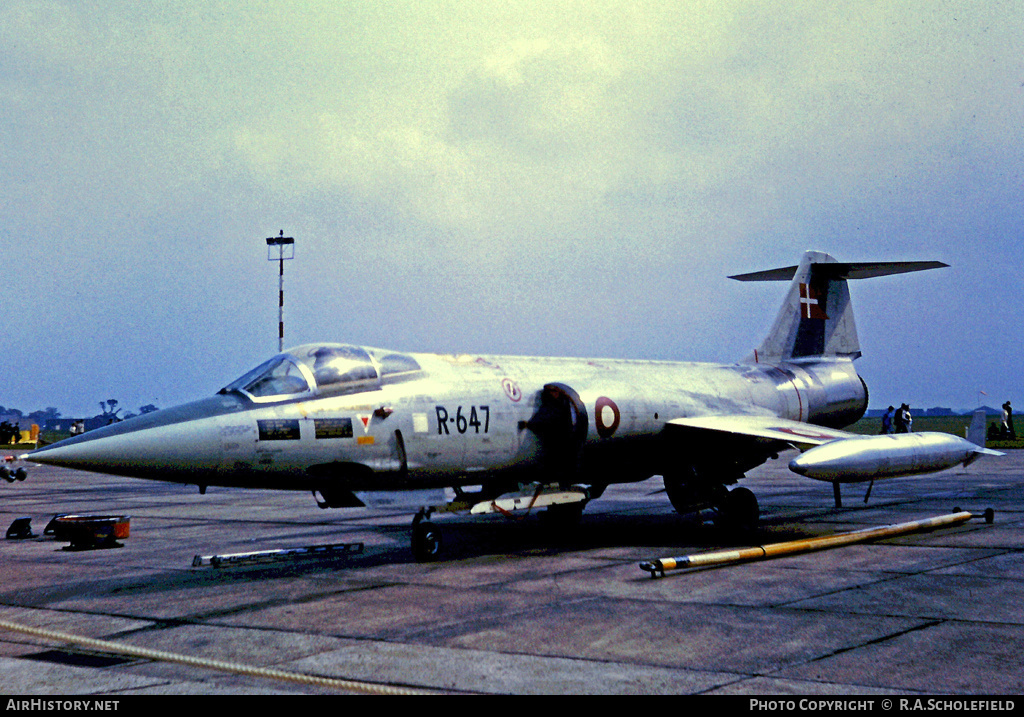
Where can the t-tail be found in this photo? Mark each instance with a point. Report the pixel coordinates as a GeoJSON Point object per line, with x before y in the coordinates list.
{"type": "Point", "coordinates": [816, 319]}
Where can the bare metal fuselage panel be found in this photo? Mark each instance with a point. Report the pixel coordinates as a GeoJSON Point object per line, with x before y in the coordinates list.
{"type": "Point", "coordinates": [340, 419]}
{"type": "Point", "coordinates": [463, 420]}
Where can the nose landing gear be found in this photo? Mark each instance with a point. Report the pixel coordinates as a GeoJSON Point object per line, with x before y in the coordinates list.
{"type": "Point", "coordinates": [426, 537]}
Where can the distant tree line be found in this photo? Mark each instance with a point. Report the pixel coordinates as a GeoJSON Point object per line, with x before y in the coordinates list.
{"type": "Point", "coordinates": [109, 410]}
{"type": "Point", "coordinates": [39, 417]}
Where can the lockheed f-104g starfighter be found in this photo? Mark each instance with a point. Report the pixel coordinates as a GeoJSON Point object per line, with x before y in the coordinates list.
{"type": "Point", "coordinates": [346, 422]}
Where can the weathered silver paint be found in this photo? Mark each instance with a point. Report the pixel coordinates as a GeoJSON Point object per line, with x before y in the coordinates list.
{"type": "Point", "coordinates": [217, 442]}
{"type": "Point", "coordinates": [335, 418]}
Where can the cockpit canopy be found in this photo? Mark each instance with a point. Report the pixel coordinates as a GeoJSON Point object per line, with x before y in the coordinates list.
{"type": "Point", "coordinates": [323, 369]}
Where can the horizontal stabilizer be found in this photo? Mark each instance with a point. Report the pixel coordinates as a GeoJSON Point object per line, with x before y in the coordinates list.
{"type": "Point", "coordinates": [841, 270]}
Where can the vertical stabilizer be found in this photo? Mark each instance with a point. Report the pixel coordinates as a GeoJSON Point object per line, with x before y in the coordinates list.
{"type": "Point", "coordinates": [976, 433]}
{"type": "Point", "coordinates": [816, 318]}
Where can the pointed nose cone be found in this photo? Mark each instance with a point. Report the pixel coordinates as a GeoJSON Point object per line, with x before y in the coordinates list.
{"type": "Point", "coordinates": [179, 444]}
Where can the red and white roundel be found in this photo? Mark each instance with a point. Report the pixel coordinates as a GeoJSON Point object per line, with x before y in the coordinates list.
{"type": "Point", "coordinates": [606, 417]}
{"type": "Point", "coordinates": [512, 389]}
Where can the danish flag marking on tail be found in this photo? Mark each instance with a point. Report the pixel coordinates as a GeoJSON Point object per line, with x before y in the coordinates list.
{"type": "Point", "coordinates": [810, 306]}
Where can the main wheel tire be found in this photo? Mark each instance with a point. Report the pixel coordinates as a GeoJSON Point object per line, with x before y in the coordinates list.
{"type": "Point", "coordinates": [740, 510]}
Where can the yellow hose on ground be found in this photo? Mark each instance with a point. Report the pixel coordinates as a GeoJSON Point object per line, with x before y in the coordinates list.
{"type": "Point", "coordinates": [660, 565]}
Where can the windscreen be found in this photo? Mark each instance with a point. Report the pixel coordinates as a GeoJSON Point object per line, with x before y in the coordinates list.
{"type": "Point", "coordinates": [280, 376]}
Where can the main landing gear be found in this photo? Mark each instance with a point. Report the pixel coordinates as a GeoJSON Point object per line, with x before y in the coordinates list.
{"type": "Point", "coordinates": [562, 505]}
{"type": "Point", "coordinates": [735, 509]}
{"type": "Point", "coordinates": [739, 510]}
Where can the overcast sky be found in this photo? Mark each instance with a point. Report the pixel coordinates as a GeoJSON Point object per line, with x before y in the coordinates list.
{"type": "Point", "coordinates": [550, 178]}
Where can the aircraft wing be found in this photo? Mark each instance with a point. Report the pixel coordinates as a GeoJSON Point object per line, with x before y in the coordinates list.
{"type": "Point", "coordinates": [800, 435]}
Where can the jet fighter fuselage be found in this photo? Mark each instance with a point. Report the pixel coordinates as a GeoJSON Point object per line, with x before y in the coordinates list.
{"type": "Point", "coordinates": [339, 419]}
{"type": "Point", "coordinates": [334, 418]}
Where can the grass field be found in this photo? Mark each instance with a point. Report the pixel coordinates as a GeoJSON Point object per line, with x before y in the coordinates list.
{"type": "Point", "coordinates": [957, 425]}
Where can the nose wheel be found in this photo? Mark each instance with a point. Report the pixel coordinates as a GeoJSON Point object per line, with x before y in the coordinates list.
{"type": "Point", "coordinates": [426, 538]}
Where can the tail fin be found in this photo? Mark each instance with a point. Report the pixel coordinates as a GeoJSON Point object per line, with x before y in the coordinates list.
{"type": "Point", "coordinates": [816, 319]}
{"type": "Point", "coordinates": [976, 433]}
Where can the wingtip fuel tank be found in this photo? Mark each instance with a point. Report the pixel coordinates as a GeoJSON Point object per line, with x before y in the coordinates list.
{"type": "Point", "coordinates": [864, 458]}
